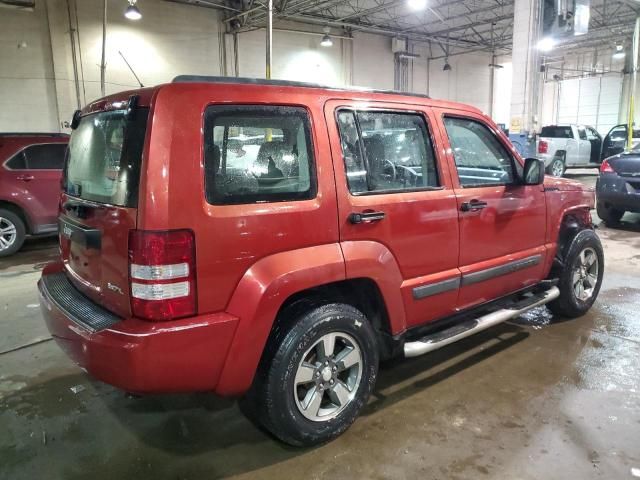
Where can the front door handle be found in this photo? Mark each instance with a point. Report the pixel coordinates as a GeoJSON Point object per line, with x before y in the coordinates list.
{"type": "Point", "coordinates": [25, 178]}
{"type": "Point", "coordinates": [473, 205]}
{"type": "Point", "coordinates": [366, 217]}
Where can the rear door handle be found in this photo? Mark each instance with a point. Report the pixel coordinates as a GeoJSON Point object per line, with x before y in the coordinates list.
{"type": "Point", "coordinates": [25, 178]}
{"type": "Point", "coordinates": [366, 217]}
{"type": "Point", "coordinates": [473, 205]}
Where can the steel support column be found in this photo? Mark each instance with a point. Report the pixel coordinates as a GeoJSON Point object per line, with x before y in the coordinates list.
{"type": "Point", "coordinates": [269, 37]}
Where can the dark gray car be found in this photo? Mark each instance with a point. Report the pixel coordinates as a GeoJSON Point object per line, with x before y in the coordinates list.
{"type": "Point", "coordinates": [618, 186]}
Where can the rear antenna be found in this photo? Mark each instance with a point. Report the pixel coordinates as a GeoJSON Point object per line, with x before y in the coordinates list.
{"type": "Point", "coordinates": [134, 73]}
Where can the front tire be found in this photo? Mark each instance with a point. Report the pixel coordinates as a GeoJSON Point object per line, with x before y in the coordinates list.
{"type": "Point", "coordinates": [610, 216]}
{"type": "Point", "coordinates": [581, 277]}
{"type": "Point", "coordinates": [12, 233]}
{"type": "Point", "coordinates": [319, 375]}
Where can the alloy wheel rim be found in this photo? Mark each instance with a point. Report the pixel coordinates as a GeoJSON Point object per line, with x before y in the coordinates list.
{"type": "Point", "coordinates": [557, 168]}
{"type": "Point", "coordinates": [328, 376]}
{"type": "Point", "coordinates": [8, 233]}
{"type": "Point", "coordinates": [585, 274]}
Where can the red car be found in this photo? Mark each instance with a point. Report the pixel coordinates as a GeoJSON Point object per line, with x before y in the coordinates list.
{"type": "Point", "coordinates": [30, 173]}
{"type": "Point", "coordinates": [275, 240]}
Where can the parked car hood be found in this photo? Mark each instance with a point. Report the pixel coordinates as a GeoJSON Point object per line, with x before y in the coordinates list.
{"type": "Point", "coordinates": [565, 185]}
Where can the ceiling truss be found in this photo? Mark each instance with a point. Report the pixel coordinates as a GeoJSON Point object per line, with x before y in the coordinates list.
{"type": "Point", "coordinates": [448, 26]}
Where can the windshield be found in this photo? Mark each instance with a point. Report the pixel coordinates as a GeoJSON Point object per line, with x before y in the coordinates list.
{"type": "Point", "coordinates": [104, 156]}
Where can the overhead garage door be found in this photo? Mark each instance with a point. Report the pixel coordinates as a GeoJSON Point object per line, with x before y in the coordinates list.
{"type": "Point", "coordinates": [591, 101]}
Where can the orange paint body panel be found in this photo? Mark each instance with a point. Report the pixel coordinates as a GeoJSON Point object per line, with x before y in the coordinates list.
{"type": "Point", "coordinates": [250, 258]}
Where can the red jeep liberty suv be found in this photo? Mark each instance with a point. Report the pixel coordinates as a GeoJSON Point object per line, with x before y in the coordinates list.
{"type": "Point", "coordinates": [275, 240]}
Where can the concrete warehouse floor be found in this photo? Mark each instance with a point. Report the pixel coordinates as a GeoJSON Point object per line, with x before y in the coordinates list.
{"type": "Point", "coordinates": [534, 398]}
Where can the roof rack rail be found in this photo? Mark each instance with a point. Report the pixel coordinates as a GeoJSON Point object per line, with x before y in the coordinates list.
{"type": "Point", "coordinates": [283, 83]}
{"type": "Point", "coordinates": [33, 134]}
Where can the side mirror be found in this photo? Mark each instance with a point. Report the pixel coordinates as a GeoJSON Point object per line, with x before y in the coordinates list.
{"type": "Point", "coordinates": [533, 173]}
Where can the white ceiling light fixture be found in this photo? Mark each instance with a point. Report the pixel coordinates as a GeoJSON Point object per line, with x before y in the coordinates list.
{"type": "Point", "coordinates": [132, 12]}
{"type": "Point", "coordinates": [546, 44]}
{"type": "Point", "coordinates": [619, 51]}
{"type": "Point", "coordinates": [326, 39]}
{"type": "Point", "coordinates": [417, 4]}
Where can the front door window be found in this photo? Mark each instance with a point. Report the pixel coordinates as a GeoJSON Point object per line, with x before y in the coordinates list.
{"type": "Point", "coordinates": [480, 158]}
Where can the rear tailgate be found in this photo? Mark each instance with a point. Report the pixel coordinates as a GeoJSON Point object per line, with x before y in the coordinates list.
{"type": "Point", "coordinates": [94, 248]}
{"type": "Point", "coordinates": [99, 204]}
{"type": "Point", "coordinates": [553, 144]}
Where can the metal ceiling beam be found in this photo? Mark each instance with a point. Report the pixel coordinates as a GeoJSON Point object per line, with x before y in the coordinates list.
{"type": "Point", "coordinates": [467, 14]}
{"type": "Point", "coordinates": [420, 37]}
{"type": "Point", "coordinates": [369, 11]}
{"type": "Point", "coordinates": [206, 3]}
{"type": "Point", "coordinates": [468, 21]}
{"type": "Point", "coordinates": [389, 30]}
{"type": "Point", "coordinates": [381, 7]}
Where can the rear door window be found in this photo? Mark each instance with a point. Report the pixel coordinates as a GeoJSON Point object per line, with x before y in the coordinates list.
{"type": "Point", "coordinates": [42, 156]}
{"type": "Point", "coordinates": [45, 156]}
{"type": "Point", "coordinates": [257, 154]}
{"type": "Point", "coordinates": [104, 157]}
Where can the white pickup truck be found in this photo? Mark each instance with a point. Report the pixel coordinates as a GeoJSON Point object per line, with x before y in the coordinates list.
{"type": "Point", "coordinates": [566, 146]}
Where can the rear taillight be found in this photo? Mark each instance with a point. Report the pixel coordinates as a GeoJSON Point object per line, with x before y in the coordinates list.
{"type": "Point", "coordinates": [606, 168]}
{"type": "Point", "coordinates": [543, 147]}
{"type": "Point", "coordinates": [162, 272]}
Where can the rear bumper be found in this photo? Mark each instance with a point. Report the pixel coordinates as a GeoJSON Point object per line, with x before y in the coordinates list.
{"type": "Point", "coordinates": [614, 191]}
{"type": "Point", "coordinates": [138, 356]}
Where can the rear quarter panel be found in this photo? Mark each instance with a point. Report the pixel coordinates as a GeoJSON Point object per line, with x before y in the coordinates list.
{"type": "Point", "coordinates": [229, 238]}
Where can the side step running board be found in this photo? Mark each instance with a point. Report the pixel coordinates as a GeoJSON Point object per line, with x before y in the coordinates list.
{"type": "Point", "coordinates": [457, 332]}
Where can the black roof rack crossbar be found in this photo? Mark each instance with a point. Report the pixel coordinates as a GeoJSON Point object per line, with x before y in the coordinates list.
{"type": "Point", "coordinates": [283, 83]}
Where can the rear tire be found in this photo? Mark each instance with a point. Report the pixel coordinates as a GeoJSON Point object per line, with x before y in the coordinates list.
{"type": "Point", "coordinates": [557, 167]}
{"type": "Point", "coordinates": [305, 395]}
{"type": "Point", "coordinates": [12, 233]}
{"type": "Point", "coordinates": [610, 216]}
{"type": "Point", "coordinates": [581, 276]}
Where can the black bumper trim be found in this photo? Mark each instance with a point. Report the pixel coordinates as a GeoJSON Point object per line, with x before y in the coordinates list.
{"type": "Point", "coordinates": [57, 288]}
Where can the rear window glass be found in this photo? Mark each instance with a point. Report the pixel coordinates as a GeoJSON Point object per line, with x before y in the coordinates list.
{"type": "Point", "coordinates": [104, 156]}
{"type": "Point", "coordinates": [556, 132]}
{"type": "Point", "coordinates": [257, 154]}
